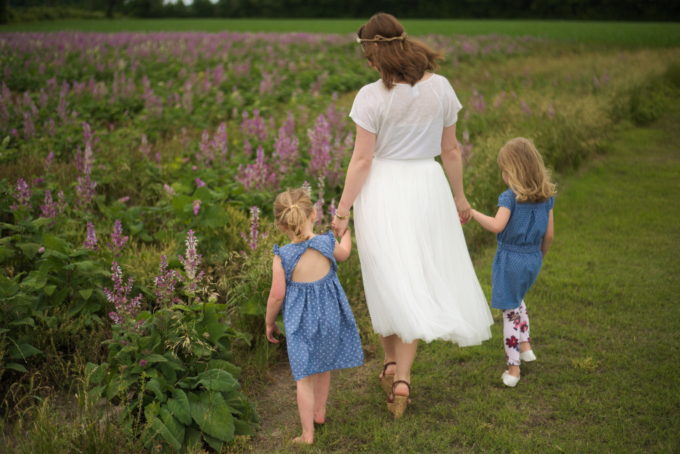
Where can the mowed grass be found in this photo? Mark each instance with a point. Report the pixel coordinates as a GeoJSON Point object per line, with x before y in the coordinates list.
{"type": "Point", "coordinates": [605, 324]}
{"type": "Point", "coordinates": [620, 33]}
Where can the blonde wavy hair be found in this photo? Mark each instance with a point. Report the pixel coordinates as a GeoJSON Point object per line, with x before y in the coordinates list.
{"type": "Point", "coordinates": [292, 208]}
{"type": "Point", "coordinates": [522, 167]}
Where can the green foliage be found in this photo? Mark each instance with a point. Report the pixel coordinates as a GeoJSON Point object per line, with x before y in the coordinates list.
{"type": "Point", "coordinates": [172, 374]}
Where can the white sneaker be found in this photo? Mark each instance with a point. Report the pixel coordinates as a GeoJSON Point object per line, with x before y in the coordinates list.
{"type": "Point", "coordinates": [527, 356]}
{"type": "Point", "coordinates": [509, 380]}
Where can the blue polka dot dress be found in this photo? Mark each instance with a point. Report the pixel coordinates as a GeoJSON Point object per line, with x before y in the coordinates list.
{"type": "Point", "coordinates": [518, 257]}
{"type": "Point", "coordinates": [321, 333]}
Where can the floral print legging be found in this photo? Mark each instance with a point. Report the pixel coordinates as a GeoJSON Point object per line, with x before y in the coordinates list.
{"type": "Point", "coordinates": [515, 331]}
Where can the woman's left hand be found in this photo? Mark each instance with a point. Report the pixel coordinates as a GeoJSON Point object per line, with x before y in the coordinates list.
{"type": "Point", "coordinates": [463, 207]}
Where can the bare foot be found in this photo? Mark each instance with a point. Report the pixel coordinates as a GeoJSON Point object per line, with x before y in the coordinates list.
{"type": "Point", "coordinates": [401, 389]}
{"type": "Point", "coordinates": [320, 419]}
{"type": "Point", "coordinates": [513, 370]}
{"type": "Point", "coordinates": [302, 440]}
{"type": "Point", "coordinates": [524, 347]}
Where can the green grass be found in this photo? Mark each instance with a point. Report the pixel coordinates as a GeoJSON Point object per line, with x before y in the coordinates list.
{"type": "Point", "coordinates": [605, 322]}
{"type": "Point", "coordinates": [624, 33]}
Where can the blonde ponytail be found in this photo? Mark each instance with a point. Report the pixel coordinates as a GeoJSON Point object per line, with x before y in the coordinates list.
{"type": "Point", "coordinates": [292, 208]}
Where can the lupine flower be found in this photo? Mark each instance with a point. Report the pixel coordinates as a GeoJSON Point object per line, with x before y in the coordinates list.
{"type": "Point", "coordinates": [49, 208]}
{"type": "Point", "coordinates": [85, 190]}
{"type": "Point", "coordinates": [144, 147]}
{"type": "Point", "coordinates": [126, 309]}
{"type": "Point", "coordinates": [29, 127]}
{"type": "Point", "coordinates": [22, 195]}
{"type": "Point", "coordinates": [525, 107]}
{"type": "Point", "coordinates": [118, 240]}
{"type": "Point", "coordinates": [199, 183]}
{"type": "Point", "coordinates": [254, 227]}
{"type": "Point", "coordinates": [49, 160]}
{"type": "Point", "coordinates": [286, 149]}
{"type": "Point", "coordinates": [191, 262]}
{"type": "Point", "coordinates": [196, 207]}
{"type": "Point", "coordinates": [221, 140]}
{"type": "Point", "coordinates": [258, 175]}
{"type": "Point", "coordinates": [165, 282]}
{"type": "Point", "coordinates": [91, 238]}
{"type": "Point", "coordinates": [320, 147]}
{"type": "Point", "coordinates": [207, 154]}
{"type": "Point", "coordinates": [477, 102]}
{"type": "Point", "coordinates": [332, 209]}
{"type": "Point", "coordinates": [254, 126]}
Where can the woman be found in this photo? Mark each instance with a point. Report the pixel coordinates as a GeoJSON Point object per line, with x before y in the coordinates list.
{"type": "Point", "coordinates": [418, 277]}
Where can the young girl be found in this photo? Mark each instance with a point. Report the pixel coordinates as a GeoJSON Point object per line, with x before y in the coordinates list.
{"type": "Point", "coordinates": [524, 224]}
{"type": "Point", "coordinates": [321, 333]}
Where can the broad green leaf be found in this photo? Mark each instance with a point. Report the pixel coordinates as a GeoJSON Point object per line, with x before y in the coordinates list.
{"type": "Point", "coordinates": [23, 351]}
{"type": "Point", "coordinates": [15, 366]}
{"type": "Point", "coordinates": [192, 439]}
{"type": "Point", "coordinates": [212, 415]}
{"type": "Point", "coordinates": [176, 428]}
{"type": "Point", "coordinates": [56, 243]}
{"type": "Point", "coordinates": [243, 427]}
{"type": "Point", "coordinates": [179, 406]}
{"type": "Point", "coordinates": [49, 289]}
{"type": "Point", "coordinates": [35, 281]}
{"type": "Point", "coordinates": [95, 372]}
{"type": "Point", "coordinates": [86, 293]}
{"type": "Point", "coordinates": [217, 380]}
{"type": "Point", "coordinates": [29, 249]}
{"type": "Point", "coordinates": [213, 442]}
{"type": "Point", "coordinates": [224, 365]}
{"type": "Point", "coordinates": [154, 386]}
{"type": "Point", "coordinates": [161, 429]}
{"type": "Point", "coordinates": [156, 358]}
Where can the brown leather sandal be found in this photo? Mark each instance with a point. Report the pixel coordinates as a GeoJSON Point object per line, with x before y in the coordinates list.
{"type": "Point", "coordinates": [396, 403]}
{"type": "Point", "coordinates": [385, 379]}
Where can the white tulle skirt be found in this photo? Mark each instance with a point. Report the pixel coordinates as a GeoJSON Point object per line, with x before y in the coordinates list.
{"type": "Point", "coordinates": [418, 277]}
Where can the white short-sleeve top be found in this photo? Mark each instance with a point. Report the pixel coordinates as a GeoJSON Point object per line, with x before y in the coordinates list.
{"type": "Point", "coordinates": [407, 120]}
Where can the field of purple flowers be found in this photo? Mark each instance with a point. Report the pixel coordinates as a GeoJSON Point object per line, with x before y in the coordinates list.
{"type": "Point", "coordinates": [137, 173]}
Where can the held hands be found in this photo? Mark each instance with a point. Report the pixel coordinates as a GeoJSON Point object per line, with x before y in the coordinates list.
{"type": "Point", "coordinates": [339, 226]}
{"type": "Point", "coordinates": [464, 209]}
{"type": "Point", "coordinates": [271, 330]}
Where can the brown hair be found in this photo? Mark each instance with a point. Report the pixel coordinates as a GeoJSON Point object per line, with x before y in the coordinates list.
{"type": "Point", "coordinates": [524, 171]}
{"type": "Point", "coordinates": [398, 58]}
{"type": "Point", "coordinates": [292, 208]}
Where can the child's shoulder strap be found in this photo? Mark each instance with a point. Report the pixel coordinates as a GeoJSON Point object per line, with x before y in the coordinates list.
{"type": "Point", "coordinates": [325, 244]}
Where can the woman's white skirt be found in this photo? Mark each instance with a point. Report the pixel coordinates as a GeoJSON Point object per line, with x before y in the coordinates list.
{"type": "Point", "coordinates": [418, 277]}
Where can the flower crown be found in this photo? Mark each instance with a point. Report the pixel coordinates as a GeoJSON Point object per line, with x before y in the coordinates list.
{"type": "Point", "coordinates": [381, 39]}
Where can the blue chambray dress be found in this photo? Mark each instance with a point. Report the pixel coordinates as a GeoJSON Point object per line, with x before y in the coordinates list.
{"type": "Point", "coordinates": [321, 332]}
{"type": "Point", "coordinates": [518, 256]}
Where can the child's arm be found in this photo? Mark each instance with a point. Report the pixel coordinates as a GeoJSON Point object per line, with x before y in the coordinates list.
{"type": "Point", "coordinates": [344, 247]}
{"type": "Point", "coordinates": [549, 234]}
{"type": "Point", "coordinates": [493, 224]}
{"type": "Point", "coordinates": [276, 296]}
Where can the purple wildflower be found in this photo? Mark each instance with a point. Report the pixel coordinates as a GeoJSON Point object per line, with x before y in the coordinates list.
{"type": "Point", "coordinates": [143, 362]}
{"type": "Point", "coordinates": [91, 238]}
{"type": "Point", "coordinates": [286, 149]}
{"type": "Point", "coordinates": [320, 147]}
{"type": "Point", "coordinates": [118, 240]}
{"type": "Point", "coordinates": [125, 308]}
{"type": "Point", "coordinates": [254, 126]}
{"type": "Point", "coordinates": [221, 140]}
{"type": "Point", "coordinates": [22, 195]}
{"type": "Point", "coordinates": [258, 175]}
{"type": "Point", "coordinates": [144, 146]}
{"type": "Point", "coordinates": [49, 208]}
{"type": "Point", "coordinates": [477, 102]}
{"type": "Point", "coordinates": [196, 207]}
{"type": "Point", "coordinates": [191, 262]}
{"type": "Point", "coordinates": [41, 250]}
{"type": "Point", "coordinates": [199, 183]}
{"type": "Point", "coordinates": [124, 199]}
{"type": "Point", "coordinates": [168, 189]}
{"type": "Point", "coordinates": [254, 227]}
{"type": "Point", "coordinates": [165, 282]}
{"type": "Point", "coordinates": [49, 160]}
{"type": "Point", "coordinates": [525, 107]}
{"type": "Point", "coordinates": [332, 209]}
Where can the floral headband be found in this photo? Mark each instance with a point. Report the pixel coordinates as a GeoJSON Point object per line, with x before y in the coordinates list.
{"type": "Point", "coordinates": [381, 39]}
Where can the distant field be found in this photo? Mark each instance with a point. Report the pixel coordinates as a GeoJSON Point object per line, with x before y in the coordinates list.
{"type": "Point", "coordinates": [624, 33]}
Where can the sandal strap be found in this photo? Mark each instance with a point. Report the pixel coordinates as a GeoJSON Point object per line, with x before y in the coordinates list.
{"type": "Point", "coordinates": [396, 382]}
{"type": "Point", "coordinates": [388, 364]}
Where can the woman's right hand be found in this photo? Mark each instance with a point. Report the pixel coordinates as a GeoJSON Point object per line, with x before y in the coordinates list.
{"type": "Point", "coordinates": [464, 209]}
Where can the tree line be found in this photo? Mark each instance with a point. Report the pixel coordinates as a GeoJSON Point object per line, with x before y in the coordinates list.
{"type": "Point", "coordinates": [633, 10]}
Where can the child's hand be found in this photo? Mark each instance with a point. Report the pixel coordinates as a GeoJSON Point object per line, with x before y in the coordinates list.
{"type": "Point", "coordinates": [272, 329]}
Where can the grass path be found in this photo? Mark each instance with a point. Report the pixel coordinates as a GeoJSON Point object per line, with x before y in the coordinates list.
{"type": "Point", "coordinates": [605, 320]}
